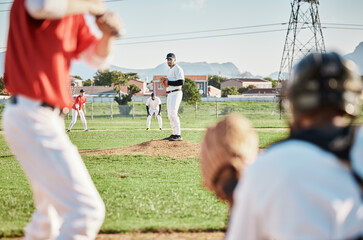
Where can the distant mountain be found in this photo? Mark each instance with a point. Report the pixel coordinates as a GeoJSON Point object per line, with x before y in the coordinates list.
{"type": "Point", "coordinates": [199, 68]}
{"type": "Point", "coordinates": [357, 57]}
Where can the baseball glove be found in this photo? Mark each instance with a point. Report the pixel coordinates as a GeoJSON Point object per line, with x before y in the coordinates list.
{"type": "Point", "coordinates": [226, 149]}
{"type": "Point", "coordinates": [164, 82]}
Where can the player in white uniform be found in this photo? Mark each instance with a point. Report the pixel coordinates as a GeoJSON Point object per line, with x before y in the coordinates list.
{"type": "Point", "coordinates": [174, 95]}
{"type": "Point", "coordinates": [153, 106]}
{"type": "Point", "coordinates": [308, 186]}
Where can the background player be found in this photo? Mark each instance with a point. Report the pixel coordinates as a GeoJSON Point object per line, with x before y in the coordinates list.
{"type": "Point", "coordinates": [173, 83]}
{"type": "Point", "coordinates": [153, 106]}
{"type": "Point", "coordinates": [310, 185]}
{"type": "Point", "coordinates": [44, 36]}
{"type": "Point", "coordinates": [79, 102]}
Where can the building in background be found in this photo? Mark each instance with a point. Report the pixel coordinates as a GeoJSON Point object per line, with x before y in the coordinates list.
{"type": "Point", "coordinates": [245, 82]}
{"type": "Point", "coordinates": [214, 92]}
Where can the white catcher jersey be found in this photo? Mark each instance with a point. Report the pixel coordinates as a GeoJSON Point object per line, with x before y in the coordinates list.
{"type": "Point", "coordinates": [175, 73]}
{"type": "Point", "coordinates": [153, 104]}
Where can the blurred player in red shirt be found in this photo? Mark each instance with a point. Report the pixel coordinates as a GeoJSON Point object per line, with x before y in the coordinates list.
{"type": "Point", "coordinates": [79, 102]}
{"type": "Point", "coordinates": [44, 36]}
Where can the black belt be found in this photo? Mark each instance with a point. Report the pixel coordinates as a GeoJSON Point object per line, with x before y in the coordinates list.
{"type": "Point", "coordinates": [167, 92]}
{"type": "Point", "coordinates": [14, 100]}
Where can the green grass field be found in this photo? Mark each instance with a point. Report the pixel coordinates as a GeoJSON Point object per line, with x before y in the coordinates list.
{"type": "Point", "coordinates": [141, 193]}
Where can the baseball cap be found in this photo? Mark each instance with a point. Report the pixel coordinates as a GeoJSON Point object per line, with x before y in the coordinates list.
{"type": "Point", "coordinates": [152, 95]}
{"type": "Point", "coordinates": [170, 55]}
{"type": "Point", "coordinates": [81, 90]}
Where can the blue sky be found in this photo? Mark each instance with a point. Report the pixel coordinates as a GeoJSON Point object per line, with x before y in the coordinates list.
{"type": "Point", "coordinates": [258, 53]}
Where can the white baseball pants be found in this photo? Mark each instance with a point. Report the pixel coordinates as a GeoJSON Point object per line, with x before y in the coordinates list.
{"type": "Point", "coordinates": [173, 102]}
{"type": "Point", "coordinates": [67, 203]}
{"type": "Point", "coordinates": [74, 119]}
{"type": "Point", "coordinates": [148, 120]}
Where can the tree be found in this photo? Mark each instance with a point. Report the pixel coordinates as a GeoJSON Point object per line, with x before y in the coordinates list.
{"type": "Point", "coordinates": [215, 80]}
{"type": "Point", "coordinates": [108, 78]}
{"type": "Point", "coordinates": [229, 91]}
{"type": "Point", "coordinates": [274, 82]}
{"type": "Point", "coordinates": [78, 77]}
{"type": "Point", "coordinates": [2, 86]}
{"type": "Point", "coordinates": [123, 99]}
{"type": "Point", "coordinates": [245, 89]}
{"type": "Point", "coordinates": [191, 94]}
{"type": "Point", "coordinates": [88, 82]}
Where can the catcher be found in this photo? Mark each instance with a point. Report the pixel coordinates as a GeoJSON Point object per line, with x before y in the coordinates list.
{"type": "Point", "coordinates": [227, 148]}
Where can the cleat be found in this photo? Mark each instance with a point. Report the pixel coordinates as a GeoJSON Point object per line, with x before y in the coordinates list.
{"type": "Point", "coordinates": [86, 130]}
{"type": "Point", "coordinates": [170, 137]}
{"type": "Point", "coordinates": [147, 129]}
{"type": "Point", "coordinates": [176, 138]}
{"type": "Point", "coordinates": [161, 129]}
{"type": "Point", "coordinates": [68, 130]}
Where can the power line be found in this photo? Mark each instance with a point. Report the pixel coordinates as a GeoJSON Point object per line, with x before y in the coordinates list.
{"type": "Point", "coordinates": [201, 37]}
{"type": "Point", "coordinates": [205, 31]}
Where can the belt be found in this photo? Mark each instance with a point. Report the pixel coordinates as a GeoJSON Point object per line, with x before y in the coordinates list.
{"type": "Point", "coordinates": [167, 92]}
{"type": "Point", "coordinates": [14, 100]}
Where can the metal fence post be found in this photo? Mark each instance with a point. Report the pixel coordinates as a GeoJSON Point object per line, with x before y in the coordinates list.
{"type": "Point", "coordinates": [91, 110]}
{"type": "Point", "coordinates": [133, 111]}
{"type": "Point", "coordinates": [216, 109]}
{"type": "Point", "coordinates": [196, 110]}
{"type": "Point", "coordinates": [111, 112]}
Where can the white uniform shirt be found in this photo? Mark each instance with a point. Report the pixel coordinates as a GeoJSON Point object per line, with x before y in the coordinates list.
{"type": "Point", "coordinates": [175, 73]}
{"type": "Point", "coordinates": [153, 104]}
{"type": "Point", "coordinates": [295, 190]}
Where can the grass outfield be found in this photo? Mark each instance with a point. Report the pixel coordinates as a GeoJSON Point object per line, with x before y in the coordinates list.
{"type": "Point", "coordinates": [141, 193]}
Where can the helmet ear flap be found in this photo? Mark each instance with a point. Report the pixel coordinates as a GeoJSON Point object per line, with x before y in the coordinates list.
{"type": "Point", "coordinates": [325, 80]}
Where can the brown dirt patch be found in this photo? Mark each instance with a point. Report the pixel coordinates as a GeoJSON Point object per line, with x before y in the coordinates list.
{"type": "Point", "coordinates": [163, 236]}
{"type": "Point", "coordinates": [156, 236]}
{"type": "Point", "coordinates": [177, 149]}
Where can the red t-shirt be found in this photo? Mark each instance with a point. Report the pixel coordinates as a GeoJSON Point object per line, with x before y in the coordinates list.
{"type": "Point", "coordinates": [80, 101]}
{"type": "Point", "coordinates": [39, 53]}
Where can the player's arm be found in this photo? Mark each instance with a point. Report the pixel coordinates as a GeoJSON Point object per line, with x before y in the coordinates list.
{"type": "Point", "coordinates": [84, 108]}
{"type": "Point", "coordinates": [159, 109]}
{"type": "Point", "coordinates": [180, 77]}
{"type": "Point", "coordinates": [55, 9]}
{"type": "Point", "coordinates": [179, 82]}
{"type": "Point", "coordinates": [147, 110]}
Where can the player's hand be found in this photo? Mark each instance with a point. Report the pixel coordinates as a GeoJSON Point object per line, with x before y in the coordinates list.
{"type": "Point", "coordinates": [110, 24]}
{"type": "Point", "coordinates": [96, 7]}
{"type": "Point", "coordinates": [159, 114]}
{"type": "Point", "coordinates": [164, 82]}
{"type": "Point", "coordinates": [148, 114]}
{"type": "Point", "coordinates": [85, 112]}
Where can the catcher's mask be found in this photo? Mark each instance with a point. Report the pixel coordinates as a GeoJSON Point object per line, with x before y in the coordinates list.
{"type": "Point", "coordinates": [325, 80]}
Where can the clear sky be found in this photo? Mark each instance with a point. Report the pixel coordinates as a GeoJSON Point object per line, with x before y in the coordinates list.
{"type": "Point", "coordinates": [259, 53]}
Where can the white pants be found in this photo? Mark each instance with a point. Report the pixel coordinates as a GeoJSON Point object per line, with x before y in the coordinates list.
{"type": "Point", "coordinates": [148, 120]}
{"type": "Point", "coordinates": [67, 203]}
{"type": "Point", "coordinates": [74, 119]}
{"type": "Point", "coordinates": [173, 102]}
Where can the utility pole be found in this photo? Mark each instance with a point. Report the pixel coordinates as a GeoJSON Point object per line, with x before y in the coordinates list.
{"type": "Point", "coordinates": [304, 35]}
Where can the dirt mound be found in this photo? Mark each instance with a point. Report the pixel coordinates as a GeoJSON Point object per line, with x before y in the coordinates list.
{"type": "Point", "coordinates": [176, 149]}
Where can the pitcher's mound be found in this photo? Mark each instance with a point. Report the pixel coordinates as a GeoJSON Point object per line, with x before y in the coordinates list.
{"type": "Point", "coordinates": [176, 149]}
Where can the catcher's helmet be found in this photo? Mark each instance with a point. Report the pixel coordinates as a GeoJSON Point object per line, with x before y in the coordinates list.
{"type": "Point", "coordinates": [325, 80]}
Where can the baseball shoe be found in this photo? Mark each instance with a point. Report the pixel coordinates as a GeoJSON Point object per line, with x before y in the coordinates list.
{"type": "Point", "coordinates": [170, 137]}
{"type": "Point", "coordinates": [68, 130]}
{"type": "Point", "coordinates": [176, 138]}
{"type": "Point", "coordinates": [86, 130]}
{"type": "Point", "coordinates": [161, 129]}
{"type": "Point", "coordinates": [147, 129]}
